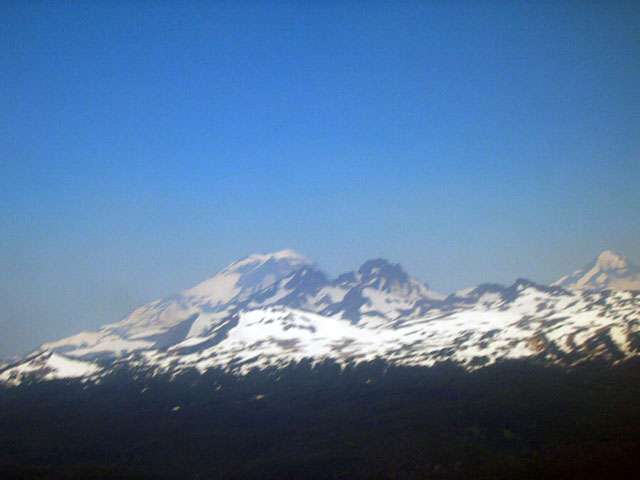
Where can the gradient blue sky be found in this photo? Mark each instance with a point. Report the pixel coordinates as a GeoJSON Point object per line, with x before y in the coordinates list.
{"type": "Point", "coordinates": [145, 145]}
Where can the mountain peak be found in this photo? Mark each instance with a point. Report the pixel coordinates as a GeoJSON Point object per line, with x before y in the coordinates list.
{"type": "Point", "coordinates": [286, 255]}
{"type": "Point", "coordinates": [609, 271]}
{"type": "Point", "coordinates": [609, 260]}
{"type": "Point", "coordinates": [249, 275]}
{"type": "Point", "coordinates": [382, 273]}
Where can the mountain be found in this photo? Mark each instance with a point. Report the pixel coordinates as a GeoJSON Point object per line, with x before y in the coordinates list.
{"type": "Point", "coordinates": [274, 309]}
{"type": "Point", "coordinates": [609, 271]}
{"type": "Point", "coordinates": [247, 276]}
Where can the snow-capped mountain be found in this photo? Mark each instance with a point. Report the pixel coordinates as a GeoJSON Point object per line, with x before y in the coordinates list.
{"type": "Point", "coordinates": [246, 277]}
{"type": "Point", "coordinates": [273, 309]}
{"type": "Point", "coordinates": [609, 271]}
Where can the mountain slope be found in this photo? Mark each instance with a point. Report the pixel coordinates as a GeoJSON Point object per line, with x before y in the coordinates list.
{"type": "Point", "coordinates": [377, 293]}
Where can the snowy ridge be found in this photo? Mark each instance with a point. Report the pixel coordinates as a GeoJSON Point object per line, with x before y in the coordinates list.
{"type": "Point", "coordinates": [568, 330]}
{"type": "Point", "coordinates": [281, 308]}
{"type": "Point", "coordinates": [48, 366]}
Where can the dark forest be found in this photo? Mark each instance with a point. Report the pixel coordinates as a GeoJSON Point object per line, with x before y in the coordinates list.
{"type": "Point", "coordinates": [511, 420]}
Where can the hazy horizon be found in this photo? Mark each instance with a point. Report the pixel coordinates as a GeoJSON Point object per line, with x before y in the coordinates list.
{"type": "Point", "coordinates": [147, 146]}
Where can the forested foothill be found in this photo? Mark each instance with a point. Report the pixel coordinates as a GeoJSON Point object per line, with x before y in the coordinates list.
{"type": "Point", "coordinates": [512, 420]}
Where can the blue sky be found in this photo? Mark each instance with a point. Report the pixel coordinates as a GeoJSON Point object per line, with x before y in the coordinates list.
{"type": "Point", "coordinates": [145, 146]}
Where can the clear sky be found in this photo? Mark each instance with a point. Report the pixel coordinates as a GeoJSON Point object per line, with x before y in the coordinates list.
{"type": "Point", "coordinates": [145, 145]}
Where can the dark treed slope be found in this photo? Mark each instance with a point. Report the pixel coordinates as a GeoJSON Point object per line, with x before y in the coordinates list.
{"type": "Point", "coordinates": [511, 420]}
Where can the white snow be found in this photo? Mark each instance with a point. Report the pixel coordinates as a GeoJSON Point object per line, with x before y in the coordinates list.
{"type": "Point", "coordinates": [278, 335]}
{"type": "Point", "coordinates": [224, 287]}
{"type": "Point", "coordinates": [50, 366]}
{"type": "Point", "coordinates": [219, 289]}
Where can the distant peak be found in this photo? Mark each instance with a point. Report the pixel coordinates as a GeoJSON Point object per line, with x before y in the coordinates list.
{"type": "Point", "coordinates": [376, 263]}
{"type": "Point", "coordinates": [609, 260]}
{"type": "Point", "coordinates": [380, 266]}
{"type": "Point", "coordinates": [524, 282]}
{"type": "Point", "coordinates": [282, 257]}
{"type": "Point", "coordinates": [286, 254]}
{"type": "Point", "coordinates": [609, 271]}
{"type": "Point", "coordinates": [250, 275]}
{"type": "Point", "coordinates": [383, 273]}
